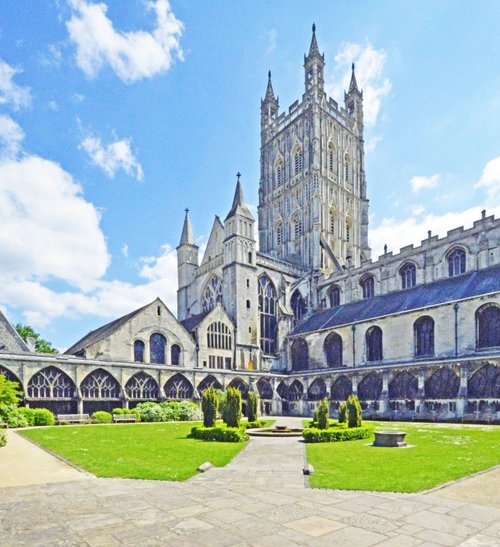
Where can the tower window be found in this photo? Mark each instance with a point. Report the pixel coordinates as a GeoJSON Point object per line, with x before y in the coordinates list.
{"type": "Point", "coordinates": [249, 258]}
{"type": "Point", "coordinates": [297, 227]}
{"type": "Point", "coordinates": [408, 274]}
{"type": "Point", "coordinates": [456, 262]}
{"type": "Point", "coordinates": [279, 234]}
{"type": "Point", "coordinates": [267, 313]}
{"type": "Point", "coordinates": [347, 231]}
{"type": "Point", "coordinates": [248, 304]}
{"type": "Point", "coordinates": [334, 296]}
{"type": "Point", "coordinates": [298, 157]}
{"type": "Point", "coordinates": [332, 224]}
{"type": "Point", "coordinates": [368, 286]}
{"type": "Point", "coordinates": [299, 307]}
{"type": "Point", "coordinates": [279, 174]}
{"type": "Point", "coordinates": [331, 157]}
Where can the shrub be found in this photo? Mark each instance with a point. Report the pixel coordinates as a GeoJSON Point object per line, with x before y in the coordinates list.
{"type": "Point", "coordinates": [254, 425]}
{"type": "Point", "coordinates": [12, 415]}
{"type": "Point", "coordinates": [343, 413]}
{"type": "Point", "coordinates": [118, 410]}
{"type": "Point", "coordinates": [354, 411]}
{"type": "Point", "coordinates": [3, 438]}
{"type": "Point", "coordinates": [10, 392]}
{"type": "Point", "coordinates": [252, 406]}
{"type": "Point", "coordinates": [101, 417]}
{"type": "Point", "coordinates": [29, 414]}
{"type": "Point", "coordinates": [314, 435]}
{"type": "Point", "coordinates": [220, 434]}
{"type": "Point", "coordinates": [209, 407]}
{"type": "Point", "coordinates": [43, 416]}
{"type": "Point", "coordinates": [168, 411]}
{"type": "Point", "coordinates": [323, 413]}
{"type": "Point", "coordinates": [233, 407]}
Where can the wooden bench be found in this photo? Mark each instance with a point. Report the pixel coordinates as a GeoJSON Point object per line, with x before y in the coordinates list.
{"type": "Point", "coordinates": [73, 418]}
{"type": "Point", "coordinates": [124, 418]}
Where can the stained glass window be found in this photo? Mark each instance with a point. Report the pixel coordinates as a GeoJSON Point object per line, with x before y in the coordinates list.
{"type": "Point", "coordinates": [485, 383]}
{"type": "Point", "coordinates": [424, 336]}
{"type": "Point", "coordinates": [333, 350]}
{"type": "Point", "coordinates": [157, 343]}
{"type": "Point", "coordinates": [300, 354]}
{"type": "Point", "coordinates": [488, 326]}
{"type": "Point", "coordinates": [139, 351]}
{"type": "Point", "coordinates": [403, 386]}
{"type": "Point", "coordinates": [370, 387]}
{"type": "Point", "coordinates": [368, 286]}
{"type": "Point", "coordinates": [175, 354]}
{"type": "Point", "coordinates": [334, 296]}
{"type": "Point", "coordinates": [374, 344]}
{"type": "Point", "coordinates": [408, 274]}
{"type": "Point", "coordinates": [267, 312]}
{"type": "Point", "coordinates": [443, 384]}
{"type": "Point", "coordinates": [456, 262]}
{"type": "Point", "coordinates": [299, 306]}
{"type": "Point", "coordinates": [212, 295]}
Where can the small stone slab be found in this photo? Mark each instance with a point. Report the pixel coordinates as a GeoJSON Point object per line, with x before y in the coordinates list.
{"type": "Point", "coordinates": [205, 467]}
{"type": "Point", "coordinates": [390, 439]}
{"type": "Point", "coordinates": [308, 469]}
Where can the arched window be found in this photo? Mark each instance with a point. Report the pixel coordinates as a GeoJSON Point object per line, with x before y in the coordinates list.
{"type": "Point", "coordinates": [212, 295]}
{"type": "Point", "coordinates": [10, 376]}
{"type": "Point", "coordinates": [142, 387]}
{"type": "Point", "coordinates": [175, 354]}
{"type": "Point", "coordinates": [298, 160]}
{"type": "Point", "coordinates": [368, 286]}
{"type": "Point", "coordinates": [283, 390]}
{"type": "Point", "coordinates": [456, 262]}
{"type": "Point", "coordinates": [488, 326]}
{"type": "Point", "coordinates": [485, 383]}
{"type": "Point", "coordinates": [370, 387]}
{"type": "Point", "coordinates": [334, 296]}
{"type": "Point", "coordinates": [348, 230]}
{"type": "Point", "coordinates": [297, 226]}
{"type": "Point", "coordinates": [408, 274]}
{"type": "Point", "coordinates": [265, 389]}
{"type": "Point", "coordinates": [347, 165]}
{"type": "Point", "coordinates": [279, 173]}
{"type": "Point", "coordinates": [208, 382]}
{"type": "Point", "coordinates": [331, 157]}
{"type": "Point", "coordinates": [333, 350]}
{"type": "Point", "coordinates": [239, 384]}
{"type": "Point", "coordinates": [100, 384]}
{"type": "Point", "coordinates": [51, 383]}
{"type": "Point", "coordinates": [139, 351]}
{"type": "Point", "coordinates": [178, 387]}
{"type": "Point", "coordinates": [443, 384]}
{"type": "Point", "coordinates": [317, 390]}
{"type": "Point", "coordinates": [341, 389]}
{"type": "Point", "coordinates": [423, 329]}
{"type": "Point", "coordinates": [333, 222]}
{"type": "Point", "coordinates": [403, 386]}
{"type": "Point", "coordinates": [267, 313]}
{"type": "Point", "coordinates": [279, 233]}
{"type": "Point", "coordinates": [300, 354]}
{"type": "Point", "coordinates": [373, 339]}
{"type": "Point", "coordinates": [299, 306]}
{"type": "Point", "coordinates": [219, 336]}
{"type": "Point", "coordinates": [157, 343]}
{"type": "Point", "coordinates": [296, 391]}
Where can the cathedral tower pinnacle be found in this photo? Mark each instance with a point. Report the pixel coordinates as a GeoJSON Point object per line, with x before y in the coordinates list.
{"type": "Point", "coordinates": [187, 264]}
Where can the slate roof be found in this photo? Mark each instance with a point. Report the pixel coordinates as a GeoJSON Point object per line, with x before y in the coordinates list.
{"type": "Point", "coordinates": [102, 332]}
{"type": "Point", "coordinates": [191, 323]}
{"type": "Point", "coordinates": [9, 334]}
{"type": "Point", "coordinates": [431, 294]}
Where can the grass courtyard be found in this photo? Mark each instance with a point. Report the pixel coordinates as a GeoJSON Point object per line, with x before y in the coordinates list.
{"type": "Point", "coordinates": [440, 453]}
{"type": "Point", "coordinates": [159, 451]}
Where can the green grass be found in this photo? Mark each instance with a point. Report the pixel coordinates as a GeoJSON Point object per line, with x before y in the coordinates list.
{"type": "Point", "coordinates": [441, 453]}
{"type": "Point", "coordinates": [139, 451]}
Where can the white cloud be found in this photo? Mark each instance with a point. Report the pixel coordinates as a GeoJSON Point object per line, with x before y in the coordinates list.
{"type": "Point", "coordinates": [131, 55]}
{"type": "Point", "coordinates": [113, 157]}
{"type": "Point", "coordinates": [272, 37]}
{"type": "Point", "coordinates": [11, 136]}
{"type": "Point", "coordinates": [11, 93]}
{"type": "Point", "coordinates": [370, 63]}
{"type": "Point", "coordinates": [490, 180]}
{"type": "Point", "coordinates": [417, 183]}
{"type": "Point", "coordinates": [417, 210]}
{"type": "Point", "coordinates": [53, 106]}
{"type": "Point", "coordinates": [124, 250]}
{"type": "Point", "coordinates": [372, 142]}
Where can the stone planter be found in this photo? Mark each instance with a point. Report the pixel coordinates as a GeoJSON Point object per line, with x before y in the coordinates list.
{"type": "Point", "coordinates": [390, 439]}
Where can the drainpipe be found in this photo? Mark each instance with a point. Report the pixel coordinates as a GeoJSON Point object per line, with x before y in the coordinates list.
{"type": "Point", "coordinates": [455, 308]}
{"type": "Point", "coordinates": [353, 345]}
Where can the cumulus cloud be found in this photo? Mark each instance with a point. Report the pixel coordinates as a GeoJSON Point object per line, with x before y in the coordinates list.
{"type": "Point", "coordinates": [370, 64]}
{"type": "Point", "coordinates": [113, 157]}
{"type": "Point", "coordinates": [490, 180]}
{"type": "Point", "coordinates": [272, 37]}
{"type": "Point", "coordinates": [417, 183]}
{"type": "Point", "coordinates": [11, 136]}
{"type": "Point", "coordinates": [131, 55]}
{"type": "Point", "coordinates": [10, 93]}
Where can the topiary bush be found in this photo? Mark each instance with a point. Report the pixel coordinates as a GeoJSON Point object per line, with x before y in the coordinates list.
{"type": "Point", "coordinates": [221, 434]}
{"type": "Point", "coordinates": [323, 414]}
{"type": "Point", "coordinates": [210, 407]}
{"type": "Point", "coordinates": [332, 435]}
{"type": "Point", "coordinates": [343, 413]}
{"type": "Point", "coordinates": [3, 438]}
{"type": "Point", "coordinates": [43, 416]}
{"type": "Point", "coordinates": [101, 417]}
{"type": "Point", "coordinates": [252, 406]}
{"type": "Point", "coordinates": [354, 412]}
{"type": "Point", "coordinates": [233, 407]}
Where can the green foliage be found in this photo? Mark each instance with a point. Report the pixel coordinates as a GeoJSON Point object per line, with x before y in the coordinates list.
{"type": "Point", "coordinates": [354, 412]}
{"type": "Point", "coordinates": [43, 416]}
{"type": "Point", "coordinates": [257, 424]}
{"type": "Point", "coordinates": [168, 412]}
{"type": "Point", "coordinates": [220, 434]}
{"type": "Point", "coordinates": [41, 345]}
{"type": "Point", "coordinates": [333, 435]}
{"type": "Point", "coordinates": [29, 414]}
{"type": "Point", "coordinates": [101, 417]}
{"type": "Point", "coordinates": [252, 406]}
{"type": "Point", "coordinates": [3, 438]}
{"type": "Point", "coordinates": [10, 392]}
{"type": "Point", "coordinates": [210, 407]}
{"type": "Point", "coordinates": [118, 410]}
{"type": "Point", "coordinates": [343, 413]}
{"type": "Point", "coordinates": [12, 415]}
{"type": "Point", "coordinates": [323, 414]}
{"type": "Point", "coordinates": [233, 407]}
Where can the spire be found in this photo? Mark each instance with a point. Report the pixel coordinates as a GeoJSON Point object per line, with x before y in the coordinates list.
{"type": "Point", "coordinates": [239, 205]}
{"type": "Point", "coordinates": [353, 86]}
{"type": "Point", "coordinates": [314, 44]}
{"type": "Point", "coordinates": [187, 237]}
{"type": "Point", "coordinates": [269, 91]}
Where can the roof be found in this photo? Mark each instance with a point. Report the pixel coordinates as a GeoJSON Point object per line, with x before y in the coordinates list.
{"type": "Point", "coordinates": [431, 294]}
{"type": "Point", "coordinates": [9, 334]}
{"type": "Point", "coordinates": [102, 332]}
{"type": "Point", "coordinates": [191, 323]}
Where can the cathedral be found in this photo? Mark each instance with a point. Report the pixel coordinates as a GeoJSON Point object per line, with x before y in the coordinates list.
{"type": "Point", "coordinates": [304, 312]}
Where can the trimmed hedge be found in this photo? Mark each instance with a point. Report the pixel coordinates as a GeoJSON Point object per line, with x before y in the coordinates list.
{"type": "Point", "coordinates": [209, 407]}
{"type": "Point", "coordinates": [3, 438]}
{"type": "Point", "coordinates": [221, 434]}
{"type": "Point", "coordinates": [101, 417]}
{"type": "Point", "coordinates": [314, 435]}
{"type": "Point", "coordinates": [233, 407]}
{"type": "Point", "coordinates": [120, 411]}
{"type": "Point", "coordinates": [323, 414]}
{"type": "Point", "coordinates": [252, 406]}
{"type": "Point", "coordinates": [254, 425]}
{"type": "Point", "coordinates": [43, 416]}
{"type": "Point", "coordinates": [354, 412]}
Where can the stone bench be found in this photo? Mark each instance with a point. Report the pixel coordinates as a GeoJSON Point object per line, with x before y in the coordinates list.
{"type": "Point", "coordinates": [117, 418]}
{"type": "Point", "coordinates": [72, 418]}
{"type": "Point", "coordinates": [391, 439]}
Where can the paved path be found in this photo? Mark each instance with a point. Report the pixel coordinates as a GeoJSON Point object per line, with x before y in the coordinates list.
{"type": "Point", "coordinates": [259, 499]}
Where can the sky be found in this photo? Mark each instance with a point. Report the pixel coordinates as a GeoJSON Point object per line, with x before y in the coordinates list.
{"type": "Point", "coordinates": [117, 115]}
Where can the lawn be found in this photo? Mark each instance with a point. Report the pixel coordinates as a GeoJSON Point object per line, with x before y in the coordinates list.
{"type": "Point", "coordinates": [140, 451]}
{"type": "Point", "coordinates": [441, 453]}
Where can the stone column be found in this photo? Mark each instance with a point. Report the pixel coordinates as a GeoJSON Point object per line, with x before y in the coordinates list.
{"type": "Point", "coordinates": [462, 391]}
{"type": "Point", "coordinates": [384, 397]}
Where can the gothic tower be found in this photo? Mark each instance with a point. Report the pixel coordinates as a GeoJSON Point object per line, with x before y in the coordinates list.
{"type": "Point", "coordinates": [187, 264]}
{"type": "Point", "coordinates": [313, 209]}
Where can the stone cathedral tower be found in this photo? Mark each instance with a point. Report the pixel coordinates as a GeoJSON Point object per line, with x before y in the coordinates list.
{"type": "Point", "coordinates": [313, 209]}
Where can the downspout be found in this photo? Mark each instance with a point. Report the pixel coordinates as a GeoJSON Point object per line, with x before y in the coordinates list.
{"type": "Point", "coordinates": [455, 308]}
{"type": "Point", "coordinates": [353, 345]}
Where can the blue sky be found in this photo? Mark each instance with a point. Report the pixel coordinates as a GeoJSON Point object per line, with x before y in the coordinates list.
{"type": "Point", "coordinates": [116, 115]}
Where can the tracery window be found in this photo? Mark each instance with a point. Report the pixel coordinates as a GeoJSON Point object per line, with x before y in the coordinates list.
{"type": "Point", "coordinates": [265, 389]}
{"type": "Point", "coordinates": [208, 382]}
{"type": "Point", "coordinates": [279, 173]}
{"type": "Point", "coordinates": [157, 344]}
{"type": "Point", "coordinates": [348, 230]}
{"type": "Point", "coordinates": [219, 336]}
{"type": "Point", "coordinates": [341, 389]}
{"type": "Point", "coordinates": [373, 340]}
{"type": "Point", "coordinates": [423, 329]}
{"type": "Point", "coordinates": [297, 226]}
{"type": "Point", "coordinates": [456, 262]}
{"type": "Point", "coordinates": [99, 384]}
{"type": "Point", "coordinates": [332, 348]}
{"type": "Point", "coordinates": [368, 286]}
{"type": "Point", "coordinates": [333, 221]}
{"type": "Point", "coordinates": [298, 160]}
{"type": "Point", "coordinates": [178, 387]}
{"type": "Point", "coordinates": [142, 387]}
{"type": "Point", "coordinates": [488, 326]}
{"type": "Point", "coordinates": [331, 157]}
{"type": "Point", "coordinates": [283, 390]}
{"type": "Point", "coordinates": [238, 383]}
{"type": "Point", "coordinates": [139, 351]}
{"type": "Point", "coordinates": [299, 306]}
{"type": "Point", "coordinates": [175, 354]}
{"type": "Point", "coordinates": [317, 390]}
{"type": "Point", "coordinates": [485, 383]}
{"type": "Point", "coordinates": [295, 391]}
{"type": "Point", "coordinates": [267, 313]}
{"type": "Point", "coordinates": [334, 296]}
{"type": "Point", "coordinates": [300, 354]}
{"type": "Point", "coordinates": [51, 383]}
{"type": "Point", "coordinates": [403, 386]}
{"type": "Point", "coordinates": [279, 234]}
{"type": "Point", "coordinates": [443, 384]}
{"type": "Point", "coordinates": [212, 295]}
{"type": "Point", "coordinates": [408, 274]}
{"type": "Point", "coordinates": [370, 387]}
{"type": "Point", "coordinates": [347, 166]}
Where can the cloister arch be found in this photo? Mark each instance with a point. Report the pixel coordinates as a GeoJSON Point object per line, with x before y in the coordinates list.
{"type": "Point", "coordinates": [265, 389]}
{"type": "Point", "coordinates": [341, 389]}
{"type": "Point", "coordinates": [403, 386]}
{"type": "Point", "coordinates": [238, 383]}
{"type": "Point", "coordinates": [142, 387]}
{"type": "Point", "coordinates": [53, 389]}
{"type": "Point", "coordinates": [208, 382]}
{"type": "Point", "coordinates": [317, 390]}
{"type": "Point", "coordinates": [100, 391]}
{"type": "Point", "coordinates": [370, 387]}
{"type": "Point", "coordinates": [178, 387]}
{"type": "Point", "coordinates": [443, 384]}
{"type": "Point", "coordinates": [484, 383]}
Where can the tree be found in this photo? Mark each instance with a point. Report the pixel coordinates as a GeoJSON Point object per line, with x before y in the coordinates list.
{"type": "Point", "coordinates": [209, 406]}
{"type": "Point", "coordinates": [323, 414]}
{"type": "Point", "coordinates": [41, 345]}
{"type": "Point", "coordinates": [10, 394]}
{"type": "Point", "coordinates": [252, 406]}
{"type": "Point", "coordinates": [233, 407]}
{"type": "Point", "coordinates": [354, 412]}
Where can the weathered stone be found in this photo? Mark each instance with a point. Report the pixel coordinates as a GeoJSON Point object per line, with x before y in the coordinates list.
{"type": "Point", "coordinates": [308, 469]}
{"type": "Point", "coordinates": [205, 467]}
